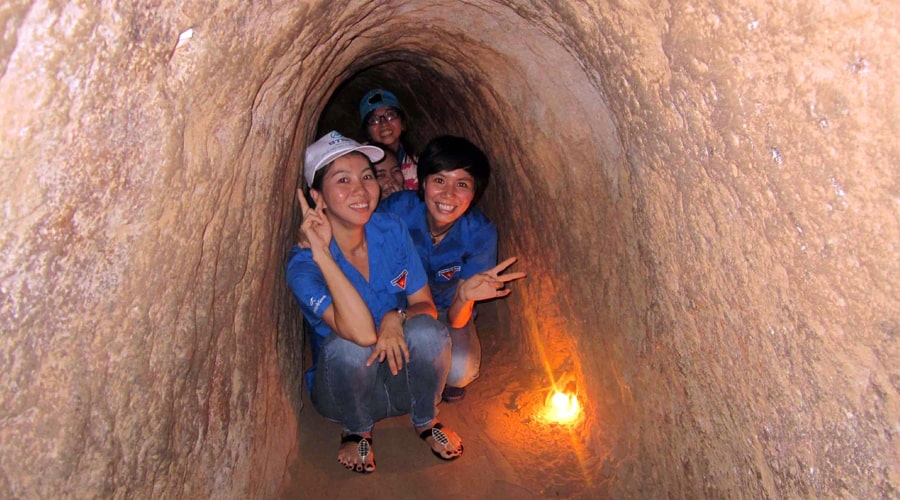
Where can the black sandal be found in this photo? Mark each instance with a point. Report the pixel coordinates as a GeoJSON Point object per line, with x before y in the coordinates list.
{"type": "Point", "coordinates": [453, 394]}
{"type": "Point", "coordinates": [363, 447]}
{"type": "Point", "coordinates": [441, 439]}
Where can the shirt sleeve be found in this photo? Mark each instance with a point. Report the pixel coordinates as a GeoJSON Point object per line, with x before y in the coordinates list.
{"type": "Point", "coordinates": [309, 287]}
{"type": "Point", "coordinates": [384, 206]}
{"type": "Point", "coordinates": [481, 253]}
{"type": "Point", "coordinates": [399, 204]}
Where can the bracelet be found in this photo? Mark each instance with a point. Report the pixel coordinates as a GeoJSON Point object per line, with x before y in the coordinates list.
{"type": "Point", "coordinates": [402, 312]}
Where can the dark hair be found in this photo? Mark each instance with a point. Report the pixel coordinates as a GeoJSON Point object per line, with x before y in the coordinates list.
{"type": "Point", "coordinates": [387, 151]}
{"type": "Point", "coordinates": [447, 152]}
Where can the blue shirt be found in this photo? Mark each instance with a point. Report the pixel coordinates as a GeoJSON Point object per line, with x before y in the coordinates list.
{"type": "Point", "coordinates": [468, 249]}
{"type": "Point", "coordinates": [394, 273]}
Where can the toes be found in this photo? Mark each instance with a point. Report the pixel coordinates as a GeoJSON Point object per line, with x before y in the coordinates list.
{"type": "Point", "coordinates": [355, 454]}
{"type": "Point", "coordinates": [453, 453]}
{"type": "Point", "coordinates": [448, 450]}
{"type": "Point", "coordinates": [445, 443]}
{"type": "Point", "coordinates": [459, 450]}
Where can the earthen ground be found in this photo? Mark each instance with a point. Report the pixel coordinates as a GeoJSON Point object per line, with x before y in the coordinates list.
{"type": "Point", "coordinates": [509, 453]}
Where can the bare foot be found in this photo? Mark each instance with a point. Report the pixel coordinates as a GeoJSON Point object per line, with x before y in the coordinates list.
{"type": "Point", "coordinates": [356, 454]}
{"type": "Point", "coordinates": [445, 444]}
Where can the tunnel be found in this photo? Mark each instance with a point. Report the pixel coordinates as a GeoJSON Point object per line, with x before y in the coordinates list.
{"type": "Point", "coordinates": [704, 195]}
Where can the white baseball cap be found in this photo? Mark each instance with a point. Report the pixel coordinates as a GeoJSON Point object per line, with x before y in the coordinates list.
{"type": "Point", "coordinates": [331, 147]}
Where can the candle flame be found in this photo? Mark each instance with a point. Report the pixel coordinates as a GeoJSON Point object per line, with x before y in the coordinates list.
{"type": "Point", "coordinates": [563, 408]}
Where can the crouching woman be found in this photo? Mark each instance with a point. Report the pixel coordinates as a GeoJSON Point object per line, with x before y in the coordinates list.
{"type": "Point", "coordinates": [378, 349]}
{"type": "Point", "coordinates": [457, 245]}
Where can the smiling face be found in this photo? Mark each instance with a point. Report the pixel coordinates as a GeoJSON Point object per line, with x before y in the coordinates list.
{"type": "Point", "coordinates": [389, 175]}
{"type": "Point", "coordinates": [349, 191]}
{"type": "Point", "coordinates": [448, 195]}
{"type": "Point", "coordinates": [385, 126]}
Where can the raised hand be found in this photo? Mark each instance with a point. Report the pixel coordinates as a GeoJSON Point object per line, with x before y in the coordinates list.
{"type": "Point", "coordinates": [315, 230]}
{"type": "Point", "coordinates": [489, 284]}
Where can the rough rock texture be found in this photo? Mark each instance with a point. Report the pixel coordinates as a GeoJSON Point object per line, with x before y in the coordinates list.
{"type": "Point", "coordinates": [705, 196]}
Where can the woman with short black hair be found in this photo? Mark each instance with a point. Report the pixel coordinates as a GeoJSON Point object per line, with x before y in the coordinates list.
{"type": "Point", "coordinates": [457, 244]}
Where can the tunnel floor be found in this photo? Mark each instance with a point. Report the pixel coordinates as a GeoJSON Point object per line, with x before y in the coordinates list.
{"type": "Point", "coordinates": [508, 453]}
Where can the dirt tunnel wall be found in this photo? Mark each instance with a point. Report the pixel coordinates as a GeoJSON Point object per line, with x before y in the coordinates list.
{"type": "Point", "coordinates": [704, 195]}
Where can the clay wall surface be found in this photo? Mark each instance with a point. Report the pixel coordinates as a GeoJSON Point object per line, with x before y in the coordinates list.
{"type": "Point", "coordinates": [704, 194]}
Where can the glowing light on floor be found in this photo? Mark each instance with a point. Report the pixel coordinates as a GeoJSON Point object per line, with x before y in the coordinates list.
{"type": "Point", "coordinates": [563, 408]}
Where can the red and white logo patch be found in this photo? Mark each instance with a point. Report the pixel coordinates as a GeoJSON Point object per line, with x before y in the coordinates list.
{"type": "Point", "coordinates": [448, 273]}
{"type": "Point", "coordinates": [400, 280]}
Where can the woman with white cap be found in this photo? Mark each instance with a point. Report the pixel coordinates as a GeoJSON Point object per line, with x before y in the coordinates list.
{"type": "Point", "coordinates": [378, 349]}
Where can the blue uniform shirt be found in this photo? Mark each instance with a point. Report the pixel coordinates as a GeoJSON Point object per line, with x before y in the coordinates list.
{"type": "Point", "coordinates": [394, 272]}
{"type": "Point", "coordinates": [468, 249]}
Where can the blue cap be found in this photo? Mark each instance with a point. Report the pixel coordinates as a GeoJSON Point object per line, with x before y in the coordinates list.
{"type": "Point", "coordinates": [375, 99]}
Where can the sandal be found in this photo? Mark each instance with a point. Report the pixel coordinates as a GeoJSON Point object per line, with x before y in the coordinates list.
{"type": "Point", "coordinates": [363, 447]}
{"type": "Point", "coordinates": [440, 438]}
{"type": "Point", "coordinates": [453, 394]}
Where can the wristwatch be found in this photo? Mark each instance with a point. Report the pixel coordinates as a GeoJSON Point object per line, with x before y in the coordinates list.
{"type": "Point", "coordinates": [402, 312]}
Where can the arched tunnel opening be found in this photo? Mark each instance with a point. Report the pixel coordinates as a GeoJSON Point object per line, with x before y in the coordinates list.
{"type": "Point", "coordinates": [704, 197]}
{"type": "Point", "coordinates": [447, 90]}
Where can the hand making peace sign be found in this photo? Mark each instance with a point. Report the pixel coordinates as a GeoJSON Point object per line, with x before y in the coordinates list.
{"type": "Point", "coordinates": [315, 230]}
{"type": "Point", "coordinates": [489, 284]}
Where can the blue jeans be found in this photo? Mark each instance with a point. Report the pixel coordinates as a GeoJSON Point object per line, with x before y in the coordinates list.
{"type": "Point", "coordinates": [356, 396]}
{"type": "Point", "coordinates": [466, 355]}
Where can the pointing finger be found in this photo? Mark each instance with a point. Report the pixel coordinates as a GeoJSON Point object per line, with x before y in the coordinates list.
{"type": "Point", "coordinates": [503, 265]}
{"type": "Point", "coordinates": [372, 358]}
{"type": "Point", "coordinates": [394, 363]}
{"type": "Point", "coordinates": [511, 277]}
{"type": "Point", "coordinates": [302, 199]}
